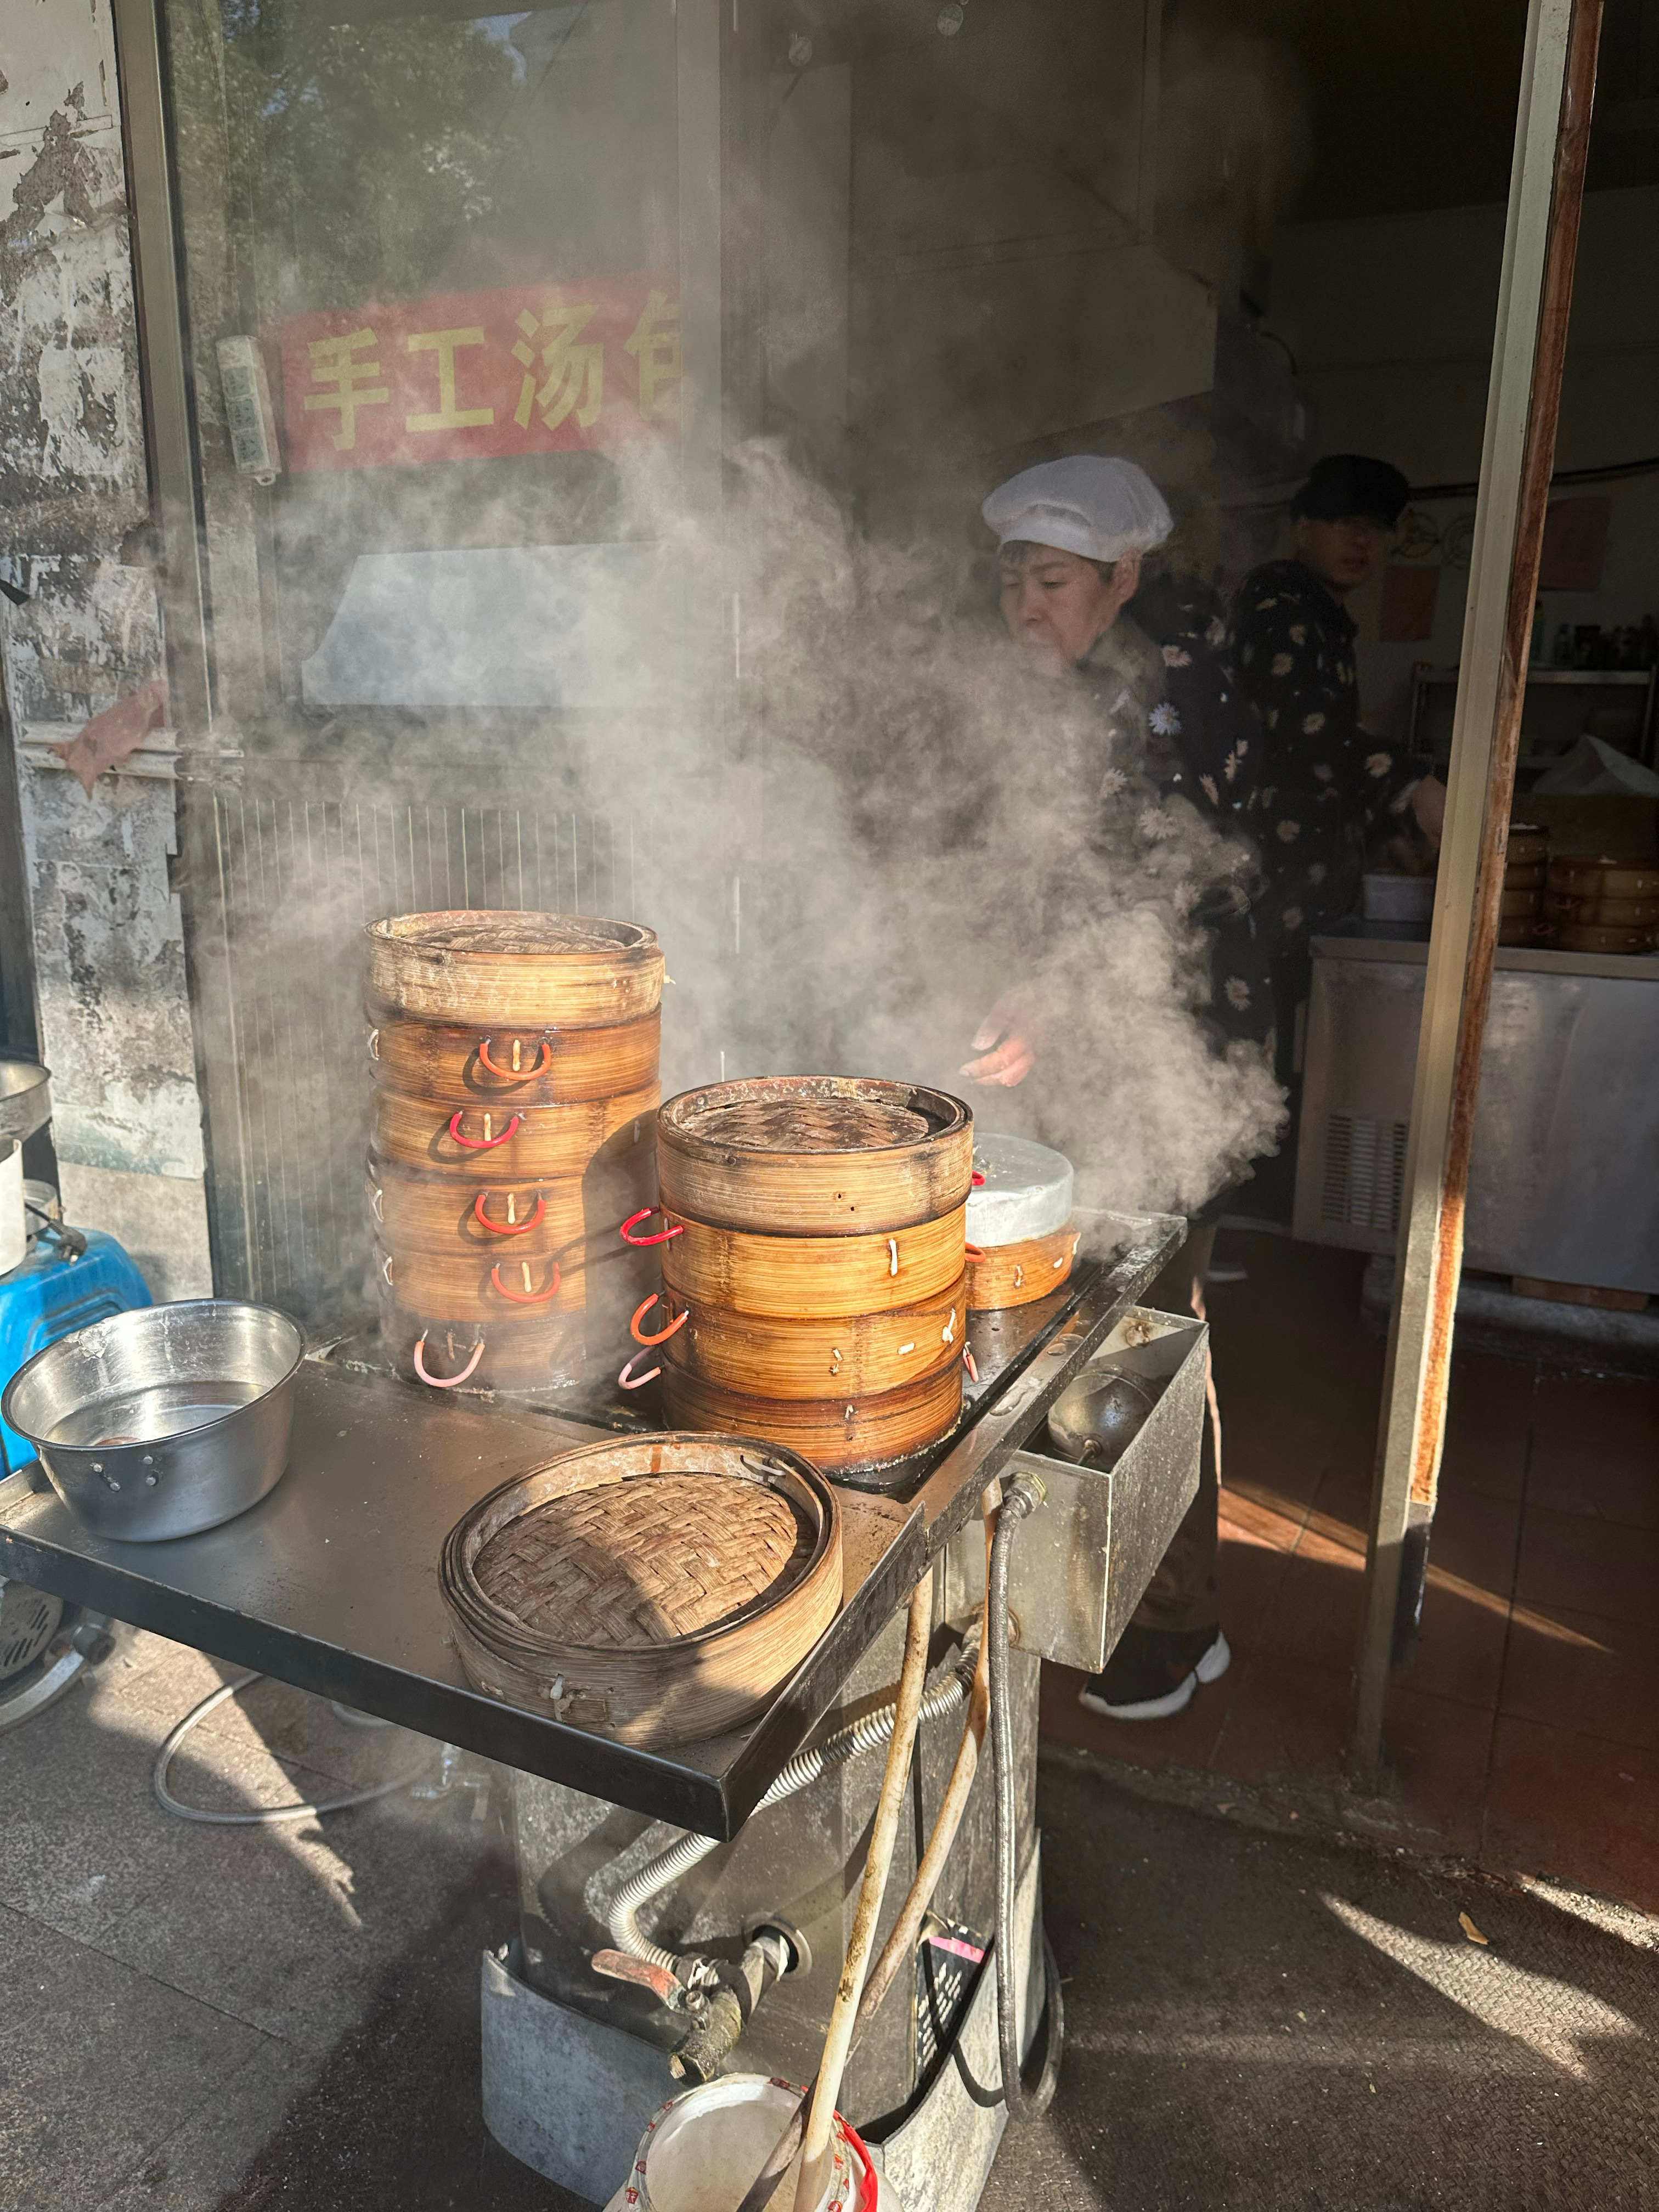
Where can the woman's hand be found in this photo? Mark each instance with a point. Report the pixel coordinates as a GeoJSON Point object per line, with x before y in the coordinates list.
{"type": "Point", "coordinates": [1429, 806]}
{"type": "Point", "coordinates": [1008, 1028]}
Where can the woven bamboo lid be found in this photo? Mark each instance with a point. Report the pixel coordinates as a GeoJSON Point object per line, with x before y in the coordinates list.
{"type": "Point", "coordinates": [642, 1563]}
{"type": "Point", "coordinates": [814, 1155]}
{"type": "Point", "coordinates": [659, 1586]}
{"type": "Point", "coordinates": [484, 968]}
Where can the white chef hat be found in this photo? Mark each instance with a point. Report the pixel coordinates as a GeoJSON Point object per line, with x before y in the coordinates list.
{"type": "Point", "coordinates": [1089, 504]}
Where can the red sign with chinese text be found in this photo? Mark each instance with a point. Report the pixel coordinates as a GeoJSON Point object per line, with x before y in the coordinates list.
{"type": "Point", "coordinates": [463, 376]}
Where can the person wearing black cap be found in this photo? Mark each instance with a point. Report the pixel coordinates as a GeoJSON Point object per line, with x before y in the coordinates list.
{"type": "Point", "coordinates": [1325, 784]}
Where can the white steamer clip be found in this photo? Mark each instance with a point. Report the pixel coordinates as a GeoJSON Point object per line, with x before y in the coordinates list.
{"type": "Point", "coordinates": [892, 1255]}
{"type": "Point", "coordinates": [948, 1334]}
{"type": "Point", "coordinates": [374, 1044]}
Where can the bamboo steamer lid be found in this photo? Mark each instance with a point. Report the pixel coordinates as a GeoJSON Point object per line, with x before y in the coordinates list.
{"type": "Point", "coordinates": [533, 1144]}
{"type": "Point", "coordinates": [811, 1276]}
{"type": "Point", "coordinates": [786, 1357]}
{"type": "Point", "coordinates": [837, 1432]}
{"type": "Point", "coordinates": [534, 1351]}
{"type": "Point", "coordinates": [1526, 844]}
{"type": "Point", "coordinates": [814, 1155]}
{"type": "Point", "coordinates": [513, 968]}
{"type": "Point", "coordinates": [1019, 1275]}
{"type": "Point", "coordinates": [657, 1587]}
{"type": "Point", "coordinates": [449, 1218]}
{"type": "Point", "coordinates": [470, 1066]}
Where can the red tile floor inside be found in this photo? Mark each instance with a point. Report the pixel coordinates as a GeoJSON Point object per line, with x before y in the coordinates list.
{"type": "Point", "coordinates": [1526, 1736]}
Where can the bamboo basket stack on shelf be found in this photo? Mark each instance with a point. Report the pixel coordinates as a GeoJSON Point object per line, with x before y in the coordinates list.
{"type": "Point", "coordinates": [814, 1264]}
{"type": "Point", "coordinates": [1022, 1238]}
{"type": "Point", "coordinates": [1527, 857]}
{"type": "Point", "coordinates": [1601, 905]}
{"type": "Point", "coordinates": [511, 1128]}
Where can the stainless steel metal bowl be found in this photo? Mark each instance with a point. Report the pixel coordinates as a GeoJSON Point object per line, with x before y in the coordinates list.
{"type": "Point", "coordinates": [163, 1421]}
{"type": "Point", "coordinates": [25, 1098]}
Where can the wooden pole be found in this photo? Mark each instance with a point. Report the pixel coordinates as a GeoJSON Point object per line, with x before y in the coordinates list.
{"type": "Point", "coordinates": [1523, 400]}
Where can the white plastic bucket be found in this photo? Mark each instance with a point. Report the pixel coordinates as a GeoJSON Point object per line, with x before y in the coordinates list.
{"type": "Point", "coordinates": [702, 2151]}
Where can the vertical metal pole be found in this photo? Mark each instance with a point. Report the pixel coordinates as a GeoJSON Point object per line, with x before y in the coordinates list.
{"type": "Point", "coordinates": [1151, 72]}
{"type": "Point", "coordinates": [1529, 352]}
{"type": "Point", "coordinates": [168, 413]}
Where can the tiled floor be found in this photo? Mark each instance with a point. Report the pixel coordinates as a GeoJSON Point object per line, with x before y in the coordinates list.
{"type": "Point", "coordinates": [1527, 1732]}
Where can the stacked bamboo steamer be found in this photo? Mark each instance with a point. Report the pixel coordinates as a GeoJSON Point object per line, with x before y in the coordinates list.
{"type": "Point", "coordinates": [1022, 1238]}
{"type": "Point", "coordinates": [814, 1263]}
{"type": "Point", "coordinates": [1601, 905]}
{"type": "Point", "coordinates": [512, 1127]}
{"type": "Point", "coordinates": [1525, 859]}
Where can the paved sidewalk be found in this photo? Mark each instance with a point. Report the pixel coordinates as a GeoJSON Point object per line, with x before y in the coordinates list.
{"type": "Point", "coordinates": [205, 2020]}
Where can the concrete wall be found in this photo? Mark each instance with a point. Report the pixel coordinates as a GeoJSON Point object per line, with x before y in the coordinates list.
{"type": "Point", "coordinates": [75, 514]}
{"type": "Point", "coordinates": [1391, 321]}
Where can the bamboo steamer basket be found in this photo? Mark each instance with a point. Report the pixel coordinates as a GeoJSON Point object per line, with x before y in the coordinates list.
{"type": "Point", "coordinates": [659, 1587]}
{"type": "Point", "coordinates": [1020, 1273]}
{"type": "Point", "coordinates": [1606, 876]}
{"type": "Point", "coordinates": [469, 1287]}
{"type": "Point", "coordinates": [510, 1067]}
{"type": "Point", "coordinates": [1515, 903]}
{"type": "Point", "coordinates": [530, 1352]}
{"type": "Point", "coordinates": [1524, 876]}
{"type": "Point", "coordinates": [514, 969]}
{"type": "Point", "coordinates": [1527, 845]}
{"type": "Point", "coordinates": [834, 1432]}
{"type": "Point", "coordinates": [535, 1144]}
{"type": "Point", "coordinates": [814, 1155]}
{"type": "Point", "coordinates": [1602, 913]}
{"type": "Point", "coordinates": [1580, 937]}
{"type": "Point", "coordinates": [1525, 929]}
{"type": "Point", "coordinates": [812, 1277]}
{"type": "Point", "coordinates": [441, 1216]}
{"type": "Point", "coordinates": [860, 1355]}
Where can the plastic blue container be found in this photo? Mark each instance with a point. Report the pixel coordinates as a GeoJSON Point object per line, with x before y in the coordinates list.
{"type": "Point", "coordinates": [46, 1298]}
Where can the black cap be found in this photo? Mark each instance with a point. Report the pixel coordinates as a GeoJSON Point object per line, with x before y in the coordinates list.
{"type": "Point", "coordinates": [1352, 484]}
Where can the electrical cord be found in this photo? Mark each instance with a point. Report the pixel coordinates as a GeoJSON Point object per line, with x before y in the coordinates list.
{"type": "Point", "coordinates": [1020, 1497]}
{"type": "Point", "coordinates": [267, 1816]}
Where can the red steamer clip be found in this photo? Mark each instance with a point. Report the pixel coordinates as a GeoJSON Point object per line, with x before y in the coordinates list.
{"type": "Point", "coordinates": [482, 1144]}
{"type": "Point", "coordinates": [663, 1335]}
{"type": "Point", "coordinates": [507, 1228]}
{"type": "Point", "coordinates": [662, 1235]}
{"type": "Point", "coordinates": [445, 1381]}
{"type": "Point", "coordinates": [630, 1381]}
{"type": "Point", "coordinates": [526, 1297]}
{"type": "Point", "coordinates": [515, 1075]}
{"type": "Point", "coordinates": [967, 1362]}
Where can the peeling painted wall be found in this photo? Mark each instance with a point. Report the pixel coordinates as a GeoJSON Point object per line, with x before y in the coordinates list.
{"type": "Point", "coordinates": [75, 535]}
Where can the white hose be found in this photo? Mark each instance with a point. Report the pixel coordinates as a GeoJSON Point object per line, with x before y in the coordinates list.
{"type": "Point", "coordinates": [268, 1816]}
{"type": "Point", "coordinates": [853, 1741]}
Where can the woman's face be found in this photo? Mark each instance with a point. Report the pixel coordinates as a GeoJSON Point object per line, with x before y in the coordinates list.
{"type": "Point", "coordinates": [1056, 604]}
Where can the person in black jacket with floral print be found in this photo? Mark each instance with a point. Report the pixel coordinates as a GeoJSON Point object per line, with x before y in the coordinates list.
{"type": "Point", "coordinates": [1326, 784]}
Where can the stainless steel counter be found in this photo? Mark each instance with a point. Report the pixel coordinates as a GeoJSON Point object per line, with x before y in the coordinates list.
{"type": "Point", "coordinates": [1562, 1182]}
{"type": "Point", "coordinates": [331, 1581]}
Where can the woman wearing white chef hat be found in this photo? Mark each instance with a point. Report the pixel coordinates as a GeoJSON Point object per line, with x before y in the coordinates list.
{"type": "Point", "coordinates": [1070, 536]}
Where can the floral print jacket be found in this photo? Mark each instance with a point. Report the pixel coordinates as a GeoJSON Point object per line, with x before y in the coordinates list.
{"type": "Point", "coordinates": [1325, 784]}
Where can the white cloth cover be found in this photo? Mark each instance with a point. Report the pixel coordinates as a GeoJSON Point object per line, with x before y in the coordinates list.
{"type": "Point", "coordinates": [1027, 1192]}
